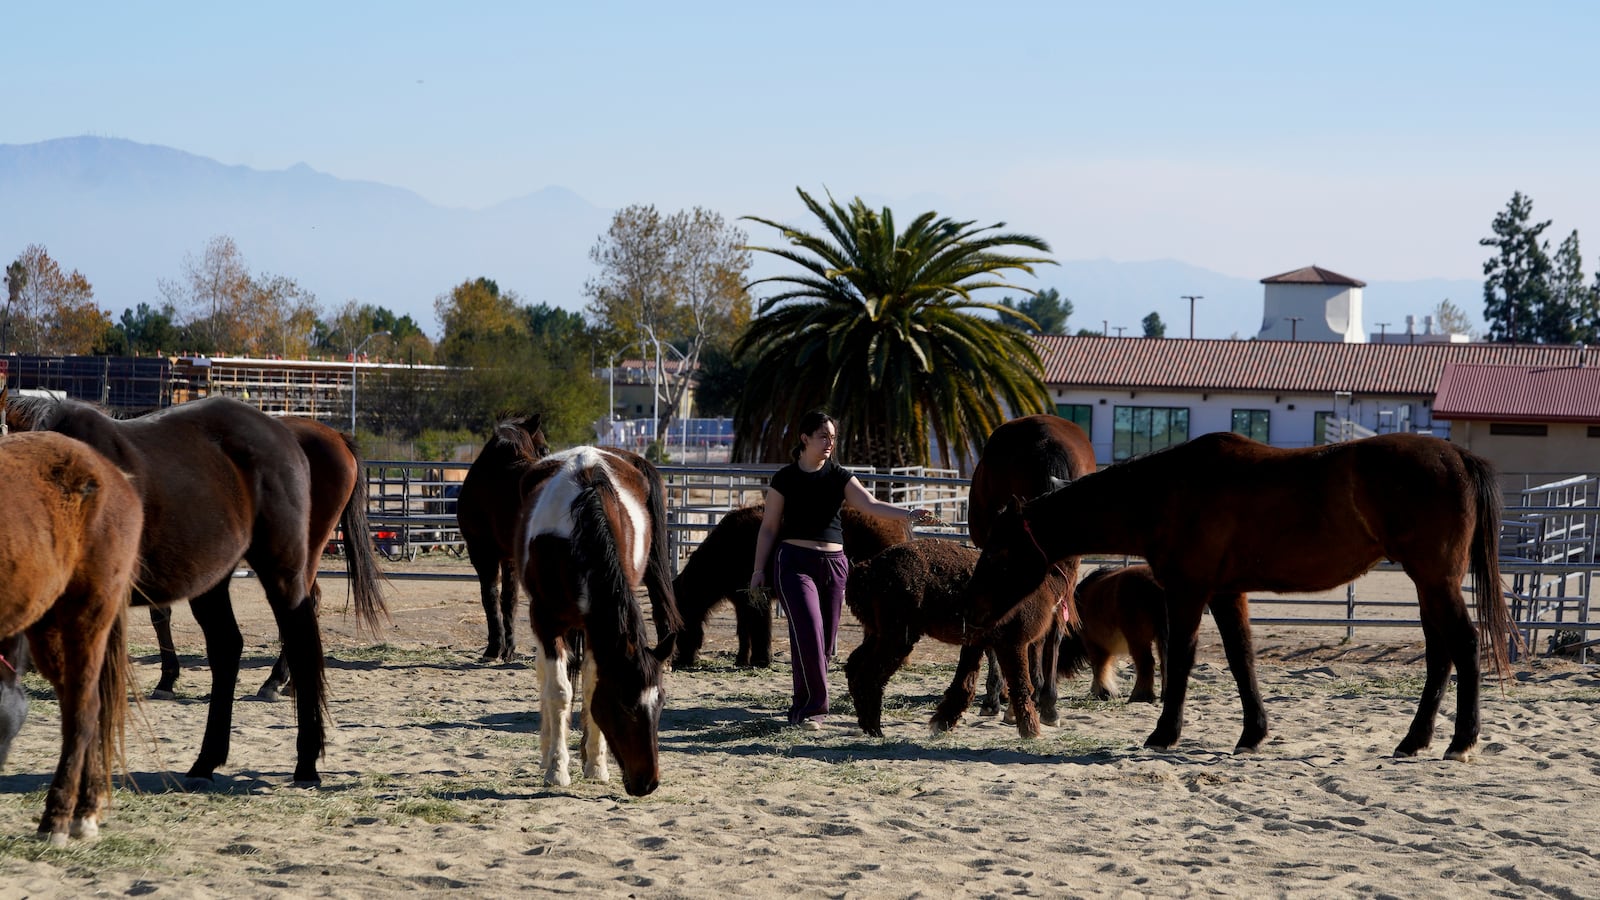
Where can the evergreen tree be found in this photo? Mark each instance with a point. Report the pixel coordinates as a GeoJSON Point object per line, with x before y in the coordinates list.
{"type": "Point", "coordinates": [1516, 284]}
{"type": "Point", "coordinates": [1558, 319]}
{"type": "Point", "coordinates": [1153, 326]}
{"type": "Point", "coordinates": [1048, 310]}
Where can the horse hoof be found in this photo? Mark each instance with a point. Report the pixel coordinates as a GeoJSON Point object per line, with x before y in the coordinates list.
{"type": "Point", "coordinates": [872, 732]}
{"type": "Point", "coordinates": [1155, 742]}
{"type": "Point", "coordinates": [270, 693]}
{"type": "Point", "coordinates": [87, 829]}
{"type": "Point", "coordinates": [558, 779]}
{"type": "Point", "coordinates": [55, 838]}
{"type": "Point", "coordinates": [1459, 754]}
{"type": "Point", "coordinates": [939, 726]}
{"type": "Point", "coordinates": [160, 694]}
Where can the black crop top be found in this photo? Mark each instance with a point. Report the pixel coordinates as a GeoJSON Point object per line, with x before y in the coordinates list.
{"type": "Point", "coordinates": [811, 502]}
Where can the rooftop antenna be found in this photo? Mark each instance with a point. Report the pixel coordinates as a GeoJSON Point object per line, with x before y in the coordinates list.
{"type": "Point", "coordinates": [1191, 298]}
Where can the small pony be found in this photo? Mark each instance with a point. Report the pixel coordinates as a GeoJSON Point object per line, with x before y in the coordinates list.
{"type": "Point", "coordinates": [903, 593]}
{"type": "Point", "coordinates": [719, 569]}
{"type": "Point", "coordinates": [69, 551]}
{"type": "Point", "coordinates": [1121, 612]}
{"type": "Point", "coordinates": [592, 531]}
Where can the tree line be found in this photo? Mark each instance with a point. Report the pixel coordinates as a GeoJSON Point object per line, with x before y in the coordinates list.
{"type": "Point", "coordinates": [888, 327]}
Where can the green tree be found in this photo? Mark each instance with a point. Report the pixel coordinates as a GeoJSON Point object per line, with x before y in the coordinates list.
{"type": "Point", "coordinates": [878, 329]}
{"type": "Point", "coordinates": [1516, 282]}
{"type": "Point", "coordinates": [673, 285]}
{"type": "Point", "coordinates": [1048, 310]}
{"type": "Point", "coordinates": [1451, 319]}
{"type": "Point", "coordinates": [478, 322]}
{"type": "Point", "coordinates": [150, 331]}
{"type": "Point", "coordinates": [50, 311]}
{"type": "Point", "coordinates": [1589, 314]}
{"type": "Point", "coordinates": [1560, 318]}
{"type": "Point", "coordinates": [1153, 326]}
{"type": "Point", "coordinates": [16, 280]}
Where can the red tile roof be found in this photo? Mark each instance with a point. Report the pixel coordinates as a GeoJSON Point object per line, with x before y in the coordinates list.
{"type": "Point", "coordinates": [1314, 275]}
{"type": "Point", "coordinates": [1279, 366]}
{"type": "Point", "coordinates": [1567, 393]}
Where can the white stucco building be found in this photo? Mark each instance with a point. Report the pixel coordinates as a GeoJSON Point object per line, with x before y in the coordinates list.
{"type": "Point", "coordinates": [1312, 304]}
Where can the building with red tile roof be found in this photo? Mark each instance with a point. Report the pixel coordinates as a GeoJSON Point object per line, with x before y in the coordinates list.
{"type": "Point", "coordinates": [1527, 418]}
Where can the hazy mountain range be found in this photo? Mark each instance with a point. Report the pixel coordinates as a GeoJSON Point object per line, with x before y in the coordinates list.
{"type": "Point", "coordinates": [126, 215]}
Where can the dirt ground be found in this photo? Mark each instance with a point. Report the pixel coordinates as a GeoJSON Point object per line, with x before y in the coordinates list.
{"type": "Point", "coordinates": [432, 781]}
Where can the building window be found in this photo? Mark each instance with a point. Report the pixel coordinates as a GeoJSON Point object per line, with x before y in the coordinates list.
{"type": "Point", "coordinates": [1518, 429]}
{"type": "Point", "coordinates": [1079, 414]}
{"type": "Point", "coordinates": [1140, 429]}
{"type": "Point", "coordinates": [1594, 431]}
{"type": "Point", "coordinates": [1319, 428]}
{"type": "Point", "coordinates": [1252, 423]}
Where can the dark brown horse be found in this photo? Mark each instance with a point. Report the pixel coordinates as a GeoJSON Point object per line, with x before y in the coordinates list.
{"type": "Point", "coordinates": [1121, 612]}
{"type": "Point", "coordinates": [907, 591]}
{"type": "Point", "coordinates": [718, 570]}
{"type": "Point", "coordinates": [338, 500]}
{"type": "Point", "coordinates": [1222, 515]}
{"type": "Point", "coordinates": [222, 482]}
{"type": "Point", "coordinates": [593, 531]}
{"type": "Point", "coordinates": [486, 513]}
{"type": "Point", "coordinates": [69, 546]}
{"type": "Point", "coordinates": [1025, 457]}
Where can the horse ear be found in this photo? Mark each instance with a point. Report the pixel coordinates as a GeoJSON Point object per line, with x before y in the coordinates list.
{"type": "Point", "coordinates": [663, 650]}
{"type": "Point", "coordinates": [1057, 482]}
{"type": "Point", "coordinates": [530, 424]}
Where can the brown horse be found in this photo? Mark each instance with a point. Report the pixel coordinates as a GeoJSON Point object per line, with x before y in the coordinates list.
{"type": "Point", "coordinates": [1222, 515]}
{"type": "Point", "coordinates": [69, 547]}
{"type": "Point", "coordinates": [593, 530]}
{"type": "Point", "coordinates": [1025, 457]}
{"type": "Point", "coordinates": [718, 570]}
{"type": "Point", "coordinates": [486, 514]}
{"type": "Point", "coordinates": [905, 592]}
{"type": "Point", "coordinates": [221, 481]}
{"type": "Point", "coordinates": [338, 500]}
{"type": "Point", "coordinates": [1121, 612]}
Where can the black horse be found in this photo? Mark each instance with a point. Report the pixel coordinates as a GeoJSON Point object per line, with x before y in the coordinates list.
{"type": "Point", "coordinates": [486, 514]}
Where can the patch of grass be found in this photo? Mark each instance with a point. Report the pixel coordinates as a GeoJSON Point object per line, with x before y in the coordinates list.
{"type": "Point", "coordinates": [86, 859]}
{"type": "Point", "coordinates": [389, 653]}
{"type": "Point", "coordinates": [1388, 687]}
{"type": "Point", "coordinates": [435, 811]}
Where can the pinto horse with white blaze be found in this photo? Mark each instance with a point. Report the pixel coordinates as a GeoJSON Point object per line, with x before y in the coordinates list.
{"type": "Point", "coordinates": [593, 530]}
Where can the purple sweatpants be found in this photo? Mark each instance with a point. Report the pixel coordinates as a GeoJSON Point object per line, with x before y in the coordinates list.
{"type": "Point", "coordinates": [811, 588]}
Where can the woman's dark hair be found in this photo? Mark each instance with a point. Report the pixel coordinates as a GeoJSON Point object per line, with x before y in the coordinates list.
{"type": "Point", "coordinates": [809, 423]}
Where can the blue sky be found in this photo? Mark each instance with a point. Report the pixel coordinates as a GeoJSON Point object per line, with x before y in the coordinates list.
{"type": "Point", "coordinates": [1376, 139]}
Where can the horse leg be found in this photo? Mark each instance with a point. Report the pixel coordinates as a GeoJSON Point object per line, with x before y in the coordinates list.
{"type": "Point", "coordinates": [277, 682]}
{"type": "Point", "coordinates": [1232, 615]}
{"type": "Point", "coordinates": [508, 611]}
{"type": "Point", "coordinates": [555, 708]}
{"type": "Point", "coordinates": [76, 683]}
{"type": "Point", "coordinates": [296, 615]}
{"type": "Point", "coordinates": [595, 764]}
{"type": "Point", "coordinates": [161, 621]}
{"type": "Point", "coordinates": [1183, 612]}
{"type": "Point", "coordinates": [868, 671]}
{"type": "Point", "coordinates": [1448, 638]}
{"type": "Point", "coordinates": [958, 696]}
{"type": "Point", "coordinates": [994, 690]}
{"type": "Point", "coordinates": [1042, 657]}
{"type": "Point", "coordinates": [224, 645]}
{"type": "Point", "coordinates": [1144, 674]}
{"type": "Point", "coordinates": [1013, 656]}
{"type": "Point", "coordinates": [760, 634]}
{"type": "Point", "coordinates": [489, 567]}
{"type": "Point", "coordinates": [1102, 664]}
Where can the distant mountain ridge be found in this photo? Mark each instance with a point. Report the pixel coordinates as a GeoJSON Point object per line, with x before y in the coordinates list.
{"type": "Point", "coordinates": [126, 214]}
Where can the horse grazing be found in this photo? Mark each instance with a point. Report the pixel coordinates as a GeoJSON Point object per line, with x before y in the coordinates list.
{"type": "Point", "coordinates": [1025, 457]}
{"type": "Point", "coordinates": [1222, 515]}
{"type": "Point", "coordinates": [593, 529]}
{"type": "Point", "coordinates": [718, 570]}
{"type": "Point", "coordinates": [486, 513]}
{"type": "Point", "coordinates": [903, 593]}
{"type": "Point", "coordinates": [69, 547]}
{"type": "Point", "coordinates": [1121, 612]}
{"type": "Point", "coordinates": [221, 481]}
{"type": "Point", "coordinates": [338, 500]}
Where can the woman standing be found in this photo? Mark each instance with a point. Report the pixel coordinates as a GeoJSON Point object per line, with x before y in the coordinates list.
{"type": "Point", "coordinates": [809, 566]}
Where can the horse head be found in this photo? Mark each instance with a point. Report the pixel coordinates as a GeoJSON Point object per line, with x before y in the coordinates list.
{"type": "Point", "coordinates": [523, 433]}
{"type": "Point", "coordinates": [1011, 567]}
{"type": "Point", "coordinates": [628, 712]}
{"type": "Point", "coordinates": [13, 698]}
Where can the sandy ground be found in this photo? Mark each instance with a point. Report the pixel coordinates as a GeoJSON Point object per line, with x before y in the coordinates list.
{"type": "Point", "coordinates": [431, 781]}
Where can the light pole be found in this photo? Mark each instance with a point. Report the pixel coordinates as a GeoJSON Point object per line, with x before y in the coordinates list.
{"type": "Point", "coordinates": [1191, 298]}
{"type": "Point", "coordinates": [1294, 324]}
{"type": "Point", "coordinates": [1383, 332]}
{"type": "Point", "coordinates": [355, 354]}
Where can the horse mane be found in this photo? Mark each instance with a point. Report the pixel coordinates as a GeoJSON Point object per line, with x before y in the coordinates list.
{"type": "Point", "coordinates": [596, 554]}
{"type": "Point", "coordinates": [519, 433]}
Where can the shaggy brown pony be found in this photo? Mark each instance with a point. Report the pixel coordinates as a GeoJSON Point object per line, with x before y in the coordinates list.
{"type": "Point", "coordinates": [1121, 612]}
{"type": "Point", "coordinates": [719, 569]}
{"type": "Point", "coordinates": [915, 589]}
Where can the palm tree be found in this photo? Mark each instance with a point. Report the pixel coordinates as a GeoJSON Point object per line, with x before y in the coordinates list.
{"type": "Point", "coordinates": [879, 330]}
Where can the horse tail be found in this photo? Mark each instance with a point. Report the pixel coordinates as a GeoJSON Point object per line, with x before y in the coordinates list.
{"type": "Point", "coordinates": [1494, 618]}
{"type": "Point", "coordinates": [361, 562]}
{"type": "Point", "coordinates": [658, 571]}
{"type": "Point", "coordinates": [115, 676]}
{"type": "Point", "coordinates": [1074, 655]}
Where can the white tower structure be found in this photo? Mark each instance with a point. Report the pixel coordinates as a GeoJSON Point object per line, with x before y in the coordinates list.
{"type": "Point", "coordinates": [1312, 304]}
